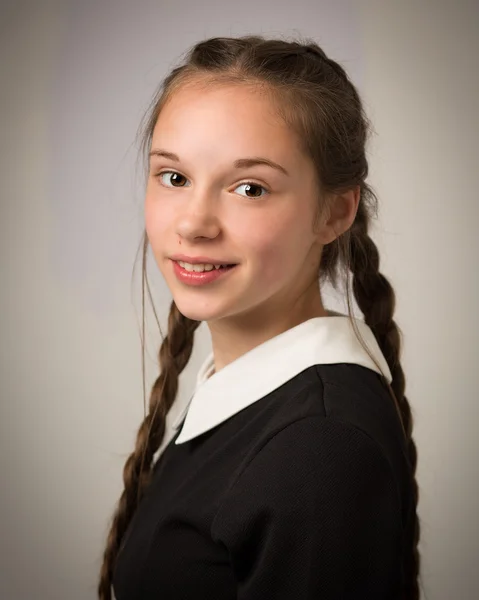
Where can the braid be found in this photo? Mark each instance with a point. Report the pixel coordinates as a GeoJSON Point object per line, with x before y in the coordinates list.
{"type": "Point", "coordinates": [174, 354]}
{"type": "Point", "coordinates": [376, 300]}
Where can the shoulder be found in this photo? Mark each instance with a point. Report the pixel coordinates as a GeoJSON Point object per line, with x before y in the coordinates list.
{"type": "Point", "coordinates": [321, 441]}
{"type": "Point", "coordinates": [325, 459]}
{"type": "Point", "coordinates": [315, 513]}
{"type": "Point", "coordinates": [332, 403]}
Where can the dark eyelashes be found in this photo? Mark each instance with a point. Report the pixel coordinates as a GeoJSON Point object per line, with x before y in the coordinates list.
{"type": "Point", "coordinates": [246, 182]}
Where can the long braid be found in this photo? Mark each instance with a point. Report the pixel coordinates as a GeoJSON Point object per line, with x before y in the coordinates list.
{"type": "Point", "coordinates": [174, 354]}
{"type": "Point", "coordinates": [376, 300]}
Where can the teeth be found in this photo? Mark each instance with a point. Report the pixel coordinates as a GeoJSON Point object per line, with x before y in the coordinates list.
{"type": "Point", "coordinates": [199, 268]}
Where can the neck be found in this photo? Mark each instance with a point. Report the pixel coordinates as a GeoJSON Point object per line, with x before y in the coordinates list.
{"type": "Point", "coordinates": [234, 336]}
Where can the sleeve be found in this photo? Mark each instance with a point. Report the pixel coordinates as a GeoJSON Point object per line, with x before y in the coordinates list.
{"type": "Point", "coordinates": [314, 515]}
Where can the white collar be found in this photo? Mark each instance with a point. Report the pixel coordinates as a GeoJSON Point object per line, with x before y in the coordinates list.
{"type": "Point", "coordinates": [320, 340]}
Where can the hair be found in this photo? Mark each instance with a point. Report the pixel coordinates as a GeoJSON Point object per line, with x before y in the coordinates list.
{"type": "Point", "coordinates": [318, 101]}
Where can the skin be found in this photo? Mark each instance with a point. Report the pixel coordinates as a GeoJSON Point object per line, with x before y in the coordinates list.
{"type": "Point", "coordinates": [208, 210]}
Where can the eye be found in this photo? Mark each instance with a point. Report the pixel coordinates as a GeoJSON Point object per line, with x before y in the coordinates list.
{"type": "Point", "coordinates": [178, 177]}
{"type": "Point", "coordinates": [252, 186]}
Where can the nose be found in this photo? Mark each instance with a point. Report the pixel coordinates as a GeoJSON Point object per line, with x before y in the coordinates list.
{"type": "Point", "coordinates": [198, 216]}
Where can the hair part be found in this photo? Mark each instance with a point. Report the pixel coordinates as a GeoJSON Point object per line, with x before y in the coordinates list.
{"type": "Point", "coordinates": [316, 99]}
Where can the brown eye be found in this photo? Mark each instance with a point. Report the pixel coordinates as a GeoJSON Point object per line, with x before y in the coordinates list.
{"type": "Point", "coordinates": [252, 189]}
{"type": "Point", "coordinates": [176, 179]}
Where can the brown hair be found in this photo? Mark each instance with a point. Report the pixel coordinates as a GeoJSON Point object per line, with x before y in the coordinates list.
{"type": "Point", "coordinates": [316, 98]}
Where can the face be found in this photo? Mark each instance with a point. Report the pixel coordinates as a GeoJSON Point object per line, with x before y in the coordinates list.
{"type": "Point", "coordinates": [258, 216]}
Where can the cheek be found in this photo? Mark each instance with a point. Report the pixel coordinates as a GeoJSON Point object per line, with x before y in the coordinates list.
{"type": "Point", "coordinates": [156, 221]}
{"type": "Point", "coordinates": [274, 250]}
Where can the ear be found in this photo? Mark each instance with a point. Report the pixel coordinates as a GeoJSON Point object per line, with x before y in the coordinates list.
{"type": "Point", "coordinates": [340, 215]}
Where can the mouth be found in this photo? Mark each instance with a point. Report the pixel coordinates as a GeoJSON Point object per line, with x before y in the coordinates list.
{"type": "Point", "coordinates": [201, 277]}
{"type": "Point", "coordinates": [225, 266]}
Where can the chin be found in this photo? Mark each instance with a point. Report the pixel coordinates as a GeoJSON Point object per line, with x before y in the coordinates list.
{"type": "Point", "coordinates": [196, 313]}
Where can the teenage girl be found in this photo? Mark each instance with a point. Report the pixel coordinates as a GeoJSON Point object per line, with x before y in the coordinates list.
{"type": "Point", "coordinates": [290, 474]}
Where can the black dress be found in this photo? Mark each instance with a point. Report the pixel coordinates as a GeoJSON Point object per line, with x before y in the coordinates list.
{"type": "Point", "coordinates": [299, 493]}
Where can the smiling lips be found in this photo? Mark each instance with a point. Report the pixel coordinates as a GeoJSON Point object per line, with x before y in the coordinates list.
{"type": "Point", "coordinates": [197, 278]}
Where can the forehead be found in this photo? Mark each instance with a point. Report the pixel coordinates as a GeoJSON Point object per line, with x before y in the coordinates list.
{"type": "Point", "coordinates": [200, 96]}
{"type": "Point", "coordinates": [231, 114]}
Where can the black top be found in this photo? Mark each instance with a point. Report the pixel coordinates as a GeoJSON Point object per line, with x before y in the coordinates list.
{"type": "Point", "coordinates": [304, 494]}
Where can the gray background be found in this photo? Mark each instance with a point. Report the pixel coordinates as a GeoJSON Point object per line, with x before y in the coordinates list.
{"type": "Point", "coordinates": [76, 78]}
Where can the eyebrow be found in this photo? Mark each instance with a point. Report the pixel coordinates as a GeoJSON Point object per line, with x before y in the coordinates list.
{"type": "Point", "coordinates": [240, 163]}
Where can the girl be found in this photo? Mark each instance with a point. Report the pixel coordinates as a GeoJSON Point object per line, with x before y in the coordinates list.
{"type": "Point", "coordinates": [291, 473]}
